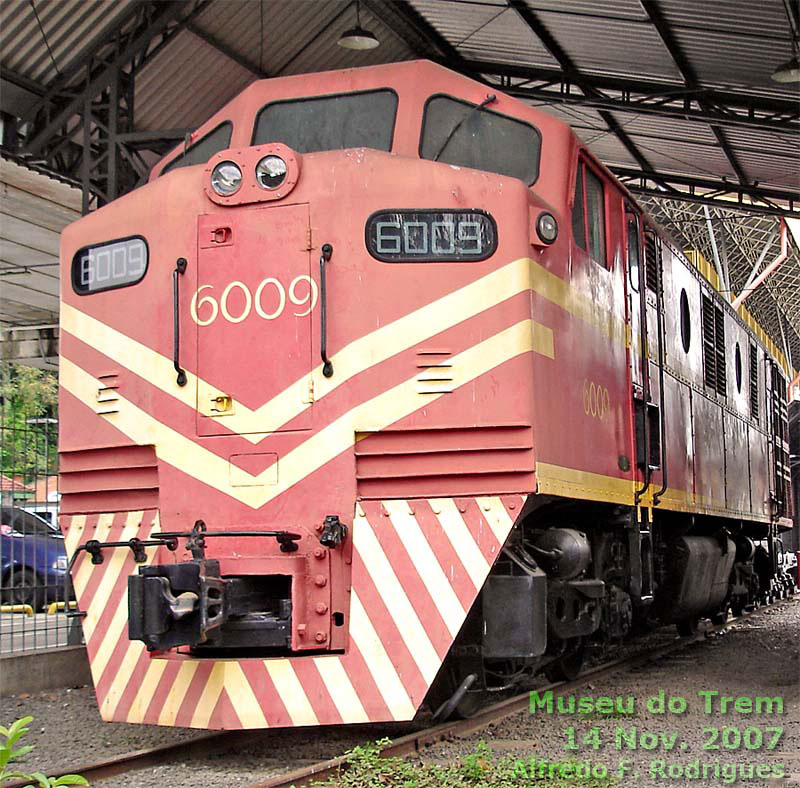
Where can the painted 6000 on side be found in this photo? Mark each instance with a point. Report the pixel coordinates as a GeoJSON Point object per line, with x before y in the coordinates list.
{"type": "Point", "coordinates": [359, 371]}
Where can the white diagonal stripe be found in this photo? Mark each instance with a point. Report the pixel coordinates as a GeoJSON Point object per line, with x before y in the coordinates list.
{"type": "Point", "coordinates": [366, 544]}
{"type": "Point", "coordinates": [419, 551]}
{"type": "Point", "coordinates": [380, 666]}
{"type": "Point", "coordinates": [341, 690]}
{"type": "Point", "coordinates": [461, 539]}
{"type": "Point", "coordinates": [496, 515]}
{"type": "Point", "coordinates": [291, 691]}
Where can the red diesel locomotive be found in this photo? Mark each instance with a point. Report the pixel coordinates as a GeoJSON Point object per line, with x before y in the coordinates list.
{"type": "Point", "coordinates": [355, 412]}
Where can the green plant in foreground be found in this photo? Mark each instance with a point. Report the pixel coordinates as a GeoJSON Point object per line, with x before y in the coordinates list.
{"type": "Point", "coordinates": [8, 754]}
{"type": "Point", "coordinates": [479, 769]}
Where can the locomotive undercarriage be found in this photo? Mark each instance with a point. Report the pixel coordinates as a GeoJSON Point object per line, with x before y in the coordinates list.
{"type": "Point", "coordinates": [577, 578]}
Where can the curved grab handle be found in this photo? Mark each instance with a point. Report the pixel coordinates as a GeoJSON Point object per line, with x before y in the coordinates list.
{"type": "Point", "coordinates": [327, 366]}
{"type": "Point", "coordinates": [180, 268]}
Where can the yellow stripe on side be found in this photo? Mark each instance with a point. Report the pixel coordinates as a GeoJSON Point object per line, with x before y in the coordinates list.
{"type": "Point", "coordinates": [573, 483]}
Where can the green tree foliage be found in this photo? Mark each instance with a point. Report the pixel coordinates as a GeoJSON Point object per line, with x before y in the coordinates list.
{"type": "Point", "coordinates": [27, 449]}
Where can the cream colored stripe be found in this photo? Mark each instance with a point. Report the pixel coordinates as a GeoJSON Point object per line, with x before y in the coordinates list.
{"type": "Point", "coordinates": [133, 653]}
{"type": "Point", "coordinates": [80, 578]}
{"type": "Point", "coordinates": [77, 524]}
{"type": "Point", "coordinates": [375, 347]}
{"type": "Point", "coordinates": [114, 558]}
{"type": "Point", "coordinates": [291, 691]}
{"type": "Point", "coordinates": [117, 628]}
{"type": "Point", "coordinates": [344, 696]}
{"type": "Point", "coordinates": [380, 666]}
{"type": "Point", "coordinates": [496, 515]}
{"type": "Point", "coordinates": [177, 692]}
{"type": "Point", "coordinates": [412, 539]}
{"type": "Point", "coordinates": [461, 539]}
{"type": "Point", "coordinates": [209, 696]}
{"type": "Point", "coordinates": [147, 689]}
{"type": "Point", "coordinates": [372, 415]}
{"type": "Point", "coordinates": [242, 697]}
{"type": "Point", "coordinates": [366, 544]}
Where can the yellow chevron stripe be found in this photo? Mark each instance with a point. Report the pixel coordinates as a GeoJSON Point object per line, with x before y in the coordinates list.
{"type": "Point", "coordinates": [372, 415]}
{"type": "Point", "coordinates": [379, 345]}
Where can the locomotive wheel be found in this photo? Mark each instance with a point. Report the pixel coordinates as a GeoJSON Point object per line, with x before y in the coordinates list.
{"type": "Point", "coordinates": [568, 667]}
{"type": "Point", "coordinates": [688, 627]}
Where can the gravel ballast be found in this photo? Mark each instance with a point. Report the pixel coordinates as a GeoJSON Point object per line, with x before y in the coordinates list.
{"type": "Point", "coordinates": [758, 657]}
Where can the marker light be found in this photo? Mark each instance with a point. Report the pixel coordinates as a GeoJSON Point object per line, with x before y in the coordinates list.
{"type": "Point", "coordinates": [271, 171]}
{"type": "Point", "coordinates": [547, 227]}
{"type": "Point", "coordinates": [226, 178]}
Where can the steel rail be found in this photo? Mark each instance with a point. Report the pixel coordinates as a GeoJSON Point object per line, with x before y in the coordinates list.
{"type": "Point", "coordinates": [415, 742]}
{"type": "Point", "coordinates": [401, 746]}
{"type": "Point", "coordinates": [152, 756]}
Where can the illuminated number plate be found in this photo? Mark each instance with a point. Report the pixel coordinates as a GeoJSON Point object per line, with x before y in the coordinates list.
{"type": "Point", "coordinates": [108, 265]}
{"type": "Point", "coordinates": [431, 236]}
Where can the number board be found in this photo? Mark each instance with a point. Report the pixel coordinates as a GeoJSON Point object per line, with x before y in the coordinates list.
{"type": "Point", "coordinates": [431, 236]}
{"type": "Point", "coordinates": [109, 265]}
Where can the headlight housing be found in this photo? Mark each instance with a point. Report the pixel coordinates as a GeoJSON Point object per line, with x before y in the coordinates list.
{"type": "Point", "coordinates": [226, 178]}
{"type": "Point", "coordinates": [61, 563]}
{"type": "Point", "coordinates": [271, 172]}
{"type": "Point", "coordinates": [547, 227]}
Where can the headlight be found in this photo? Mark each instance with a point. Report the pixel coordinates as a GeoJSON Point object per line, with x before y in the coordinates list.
{"type": "Point", "coordinates": [61, 563]}
{"type": "Point", "coordinates": [226, 178]}
{"type": "Point", "coordinates": [271, 172]}
{"type": "Point", "coordinates": [547, 227]}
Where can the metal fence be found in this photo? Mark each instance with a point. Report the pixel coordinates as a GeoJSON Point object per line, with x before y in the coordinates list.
{"type": "Point", "coordinates": [34, 590]}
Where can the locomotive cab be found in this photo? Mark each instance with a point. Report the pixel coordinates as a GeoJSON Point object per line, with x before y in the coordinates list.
{"type": "Point", "coordinates": [349, 394]}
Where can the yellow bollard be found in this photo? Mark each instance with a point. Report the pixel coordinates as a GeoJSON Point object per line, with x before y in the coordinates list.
{"type": "Point", "coordinates": [26, 609]}
{"type": "Point", "coordinates": [55, 607]}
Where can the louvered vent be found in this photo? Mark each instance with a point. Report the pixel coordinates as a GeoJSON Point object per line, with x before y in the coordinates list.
{"type": "Point", "coordinates": [652, 261]}
{"type": "Point", "coordinates": [714, 346]}
{"type": "Point", "coordinates": [118, 479]}
{"type": "Point", "coordinates": [754, 382]}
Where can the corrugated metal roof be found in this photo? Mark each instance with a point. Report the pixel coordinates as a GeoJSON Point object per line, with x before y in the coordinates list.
{"type": "Point", "coordinates": [731, 44]}
{"type": "Point", "coordinates": [68, 30]}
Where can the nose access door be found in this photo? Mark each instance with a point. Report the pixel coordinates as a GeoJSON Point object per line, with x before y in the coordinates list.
{"type": "Point", "coordinates": [252, 309]}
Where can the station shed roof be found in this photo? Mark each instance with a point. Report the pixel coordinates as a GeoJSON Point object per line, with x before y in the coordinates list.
{"type": "Point", "coordinates": [675, 96]}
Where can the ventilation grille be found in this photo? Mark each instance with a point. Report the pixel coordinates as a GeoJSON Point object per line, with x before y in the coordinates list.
{"type": "Point", "coordinates": [652, 262]}
{"type": "Point", "coordinates": [119, 479]}
{"type": "Point", "coordinates": [445, 462]}
{"type": "Point", "coordinates": [714, 346]}
{"type": "Point", "coordinates": [754, 383]}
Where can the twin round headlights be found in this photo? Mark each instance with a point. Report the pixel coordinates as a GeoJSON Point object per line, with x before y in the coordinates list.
{"type": "Point", "coordinates": [226, 177]}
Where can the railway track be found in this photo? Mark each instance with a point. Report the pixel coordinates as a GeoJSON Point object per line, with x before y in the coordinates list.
{"type": "Point", "coordinates": [402, 746]}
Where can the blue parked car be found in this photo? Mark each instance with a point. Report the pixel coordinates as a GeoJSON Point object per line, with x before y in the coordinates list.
{"type": "Point", "coordinates": [33, 560]}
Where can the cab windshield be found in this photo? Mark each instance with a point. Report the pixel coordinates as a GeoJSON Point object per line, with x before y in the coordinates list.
{"type": "Point", "coordinates": [346, 120]}
{"type": "Point", "coordinates": [471, 135]}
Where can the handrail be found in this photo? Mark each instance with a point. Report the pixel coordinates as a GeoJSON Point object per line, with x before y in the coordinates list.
{"type": "Point", "coordinates": [180, 268]}
{"type": "Point", "coordinates": [327, 366]}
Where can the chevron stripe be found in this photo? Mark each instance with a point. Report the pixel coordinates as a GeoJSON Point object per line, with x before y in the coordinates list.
{"type": "Point", "coordinates": [372, 415]}
{"type": "Point", "coordinates": [364, 684]}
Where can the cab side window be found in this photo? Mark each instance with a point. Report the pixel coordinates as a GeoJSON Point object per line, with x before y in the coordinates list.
{"type": "Point", "coordinates": [589, 214]}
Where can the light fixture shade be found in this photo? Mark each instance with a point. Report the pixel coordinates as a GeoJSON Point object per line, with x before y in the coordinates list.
{"type": "Point", "coordinates": [788, 72]}
{"type": "Point", "coordinates": [358, 38]}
